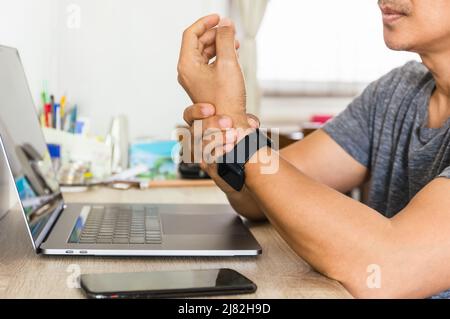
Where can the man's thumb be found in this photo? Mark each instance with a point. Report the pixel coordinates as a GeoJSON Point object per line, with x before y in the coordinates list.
{"type": "Point", "coordinates": [225, 40]}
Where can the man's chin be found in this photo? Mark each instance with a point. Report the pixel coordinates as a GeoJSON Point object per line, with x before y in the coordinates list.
{"type": "Point", "coordinates": [397, 45]}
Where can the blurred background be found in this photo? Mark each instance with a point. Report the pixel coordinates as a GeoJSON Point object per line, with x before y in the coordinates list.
{"type": "Point", "coordinates": [103, 77]}
{"type": "Point", "coordinates": [119, 56]}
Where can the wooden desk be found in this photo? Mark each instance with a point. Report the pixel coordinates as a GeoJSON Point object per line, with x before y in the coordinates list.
{"type": "Point", "coordinates": [278, 272]}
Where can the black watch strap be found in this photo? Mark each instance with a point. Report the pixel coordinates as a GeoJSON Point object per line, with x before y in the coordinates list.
{"type": "Point", "coordinates": [231, 166]}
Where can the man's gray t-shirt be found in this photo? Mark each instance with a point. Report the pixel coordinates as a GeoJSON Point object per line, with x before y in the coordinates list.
{"type": "Point", "coordinates": [385, 129]}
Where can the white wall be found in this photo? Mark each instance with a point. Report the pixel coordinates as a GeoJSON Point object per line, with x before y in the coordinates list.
{"type": "Point", "coordinates": [30, 27]}
{"type": "Point", "coordinates": [121, 59]}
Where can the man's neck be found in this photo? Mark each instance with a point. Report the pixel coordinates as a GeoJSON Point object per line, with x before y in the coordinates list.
{"type": "Point", "coordinates": [439, 66]}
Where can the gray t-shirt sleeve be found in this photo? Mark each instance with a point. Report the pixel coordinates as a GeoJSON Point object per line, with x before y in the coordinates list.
{"type": "Point", "coordinates": [352, 129]}
{"type": "Point", "coordinates": [445, 173]}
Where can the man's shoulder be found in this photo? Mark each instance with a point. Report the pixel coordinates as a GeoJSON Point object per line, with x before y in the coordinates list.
{"type": "Point", "coordinates": [394, 89]}
{"type": "Point", "coordinates": [410, 74]}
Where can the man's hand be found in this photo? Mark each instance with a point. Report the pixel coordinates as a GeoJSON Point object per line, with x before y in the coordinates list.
{"type": "Point", "coordinates": [212, 124]}
{"type": "Point", "coordinates": [221, 82]}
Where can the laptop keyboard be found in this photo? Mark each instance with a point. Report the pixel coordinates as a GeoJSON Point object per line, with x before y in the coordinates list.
{"type": "Point", "coordinates": [136, 224]}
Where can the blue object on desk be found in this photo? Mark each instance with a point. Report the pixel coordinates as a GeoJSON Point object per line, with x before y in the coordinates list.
{"type": "Point", "coordinates": [157, 155]}
{"type": "Point", "coordinates": [79, 126]}
{"type": "Point", "coordinates": [54, 150]}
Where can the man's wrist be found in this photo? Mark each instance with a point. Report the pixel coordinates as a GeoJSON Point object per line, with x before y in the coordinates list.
{"type": "Point", "coordinates": [246, 151]}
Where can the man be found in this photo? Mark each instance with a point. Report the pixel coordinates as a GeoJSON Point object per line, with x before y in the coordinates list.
{"type": "Point", "coordinates": [396, 135]}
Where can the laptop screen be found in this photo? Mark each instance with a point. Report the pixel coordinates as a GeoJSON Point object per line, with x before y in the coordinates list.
{"type": "Point", "coordinates": [25, 148]}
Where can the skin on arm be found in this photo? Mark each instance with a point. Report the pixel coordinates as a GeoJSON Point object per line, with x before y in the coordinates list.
{"type": "Point", "coordinates": [341, 237]}
{"type": "Point", "coordinates": [317, 156]}
{"type": "Point", "coordinates": [311, 155]}
{"type": "Point", "coordinates": [220, 83]}
{"type": "Point", "coordinates": [242, 201]}
{"type": "Point", "coordinates": [325, 161]}
{"type": "Point", "coordinates": [337, 235]}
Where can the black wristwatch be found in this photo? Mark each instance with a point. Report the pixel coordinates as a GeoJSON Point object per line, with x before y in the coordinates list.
{"type": "Point", "coordinates": [231, 167]}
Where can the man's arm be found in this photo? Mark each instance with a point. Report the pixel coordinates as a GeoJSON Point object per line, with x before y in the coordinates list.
{"type": "Point", "coordinates": [325, 161]}
{"type": "Point", "coordinates": [342, 238]}
{"type": "Point", "coordinates": [220, 82]}
{"type": "Point", "coordinates": [317, 156]}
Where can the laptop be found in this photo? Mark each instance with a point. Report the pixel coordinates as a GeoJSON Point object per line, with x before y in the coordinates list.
{"type": "Point", "coordinates": [59, 228]}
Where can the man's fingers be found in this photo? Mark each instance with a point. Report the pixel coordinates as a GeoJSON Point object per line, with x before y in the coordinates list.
{"type": "Point", "coordinates": [253, 120]}
{"type": "Point", "coordinates": [214, 148]}
{"type": "Point", "coordinates": [220, 137]}
{"type": "Point", "coordinates": [198, 111]}
{"type": "Point", "coordinates": [216, 129]}
{"type": "Point", "coordinates": [209, 52]}
{"type": "Point", "coordinates": [225, 40]}
{"type": "Point", "coordinates": [215, 124]}
{"type": "Point", "coordinates": [218, 152]}
{"type": "Point", "coordinates": [192, 34]}
{"type": "Point", "coordinates": [209, 126]}
{"type": "Point", "coordinates": [208, 38]}
{"type": "Point", "coordinates": [237, 44]}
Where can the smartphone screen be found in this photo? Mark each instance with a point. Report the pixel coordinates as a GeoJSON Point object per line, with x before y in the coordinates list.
{"type": "Point", "coordinates": [160, 284]}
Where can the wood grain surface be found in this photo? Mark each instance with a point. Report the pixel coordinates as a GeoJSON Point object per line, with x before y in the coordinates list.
{"type": "Point", "coordinates": [278, 272]}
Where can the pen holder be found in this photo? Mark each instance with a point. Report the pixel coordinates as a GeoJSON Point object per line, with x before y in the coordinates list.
{"type": "Point", "coordinates": [77, 148]}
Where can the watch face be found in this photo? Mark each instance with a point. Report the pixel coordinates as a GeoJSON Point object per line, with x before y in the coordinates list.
{"type": "Point", "coordinates": [233, 174]}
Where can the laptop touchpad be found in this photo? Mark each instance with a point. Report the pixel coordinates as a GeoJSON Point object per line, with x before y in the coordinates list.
{"type": "Point", "coordinates": [209, 224]}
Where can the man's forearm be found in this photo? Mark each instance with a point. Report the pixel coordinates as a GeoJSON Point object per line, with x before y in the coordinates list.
{"type": "Point", "coordinates": [244, 203]}
{"type": "Point", "coordinates": [336, 234]}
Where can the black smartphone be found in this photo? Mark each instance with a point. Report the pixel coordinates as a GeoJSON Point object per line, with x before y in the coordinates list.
{"type": "Point", "coordinates": [166, 284]}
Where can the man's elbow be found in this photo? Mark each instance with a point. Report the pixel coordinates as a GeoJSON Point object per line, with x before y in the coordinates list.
{"type": "Point", "coordinates": [371, 285]}
{"type": "Point", "coordinates": [371, 293]}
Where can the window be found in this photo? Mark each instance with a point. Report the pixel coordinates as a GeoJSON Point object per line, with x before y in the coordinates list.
{"type": "Point", "coordinates": [302, 45]}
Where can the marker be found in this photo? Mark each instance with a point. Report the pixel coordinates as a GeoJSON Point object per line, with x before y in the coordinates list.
{"type": "Point", "coordinates": [57, 116]}
{"type": "Point", "coordinates": [42, 119]}
{"type": "Point", "coordinates": [63, 105]}
{"type": "Point", "coordinates": [67, 121]}
{"type": "Point", "coordinates": [44, 98]}
{"type": "Point", "coordinates": [44, 95]}
{"type": "Point", "coordinates": [52, 102]}
{"type": "Point", "coordinates": [48, 114]}
{"type": "Point", "coordinates": [73, 119]}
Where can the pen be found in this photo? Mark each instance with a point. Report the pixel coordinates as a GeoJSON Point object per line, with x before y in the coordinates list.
{"type": "Point", "coordinates": [44, 95]}
{"type": "Point", "coordinates": [73, 119]}
{"type": "Point", "coordinates": [42, 119]}
{"type": "Point", "coordinates": [63, 105]}
{"type": "Point", "coordinates": [48, 114]}
{"type": "Point", "coordinates": [52, 102]}
{"type": "Point", "coordinates": [57, 116]}
{"type": "Point", "coordinates": [44, 98]}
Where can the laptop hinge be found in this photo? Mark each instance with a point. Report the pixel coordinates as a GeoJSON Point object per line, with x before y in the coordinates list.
{"type": "Point", "coordinates": [49, 226]}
